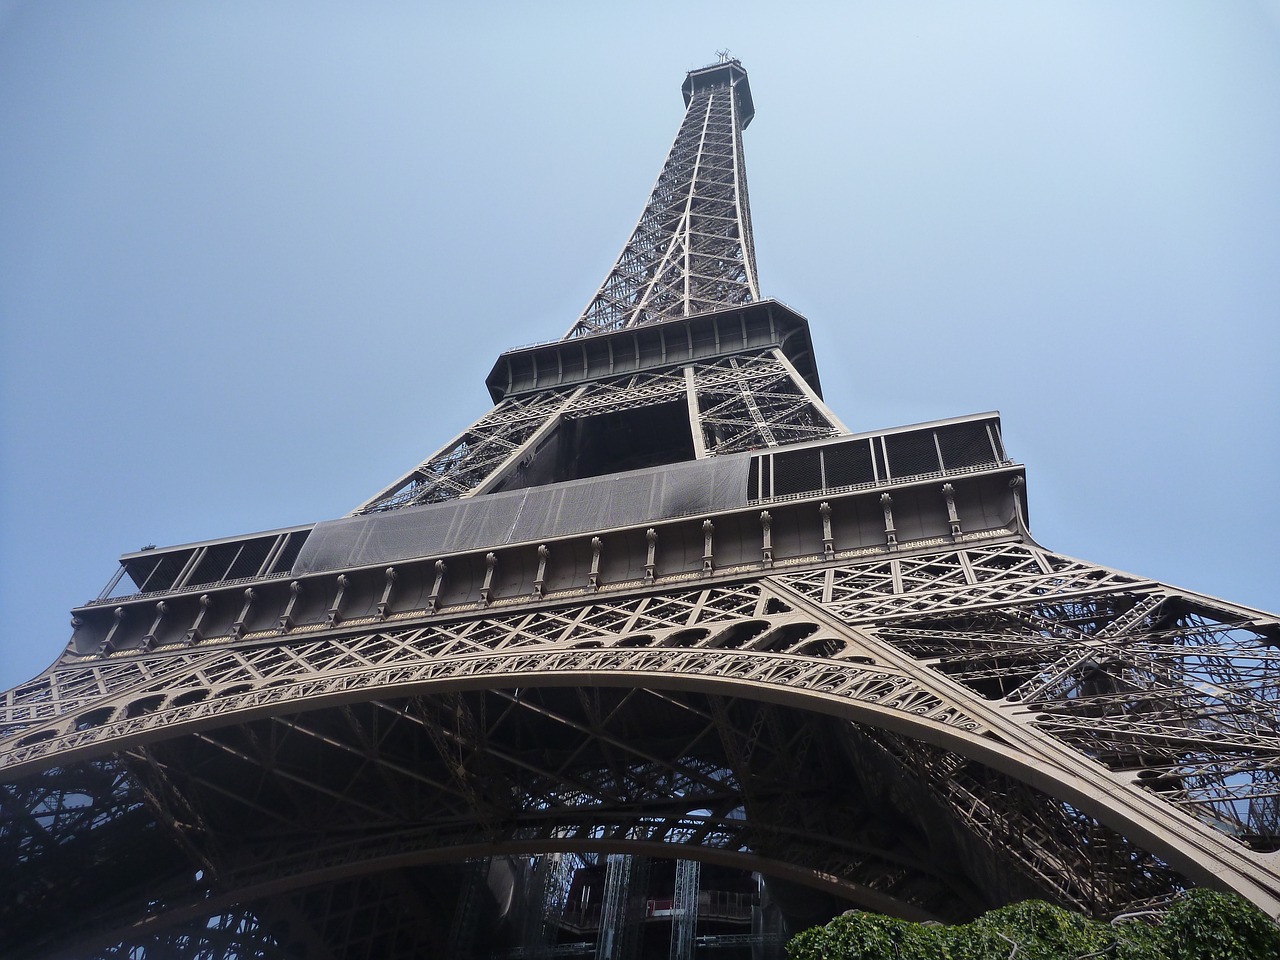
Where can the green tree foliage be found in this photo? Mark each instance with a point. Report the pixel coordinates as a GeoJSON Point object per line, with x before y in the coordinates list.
{"type": "Point", "coordinates": [1216, 926]}
{"type": "Point", "coordinates": [1201, 925]}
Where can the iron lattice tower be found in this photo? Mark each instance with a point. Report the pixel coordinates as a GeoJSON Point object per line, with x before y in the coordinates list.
{"type": "Point", "coordinates": [658, 602]}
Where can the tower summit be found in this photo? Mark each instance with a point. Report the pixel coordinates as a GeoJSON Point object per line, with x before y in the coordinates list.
{"type": "Point", "coordinates": [655, 654]}
{"type": "Point", "coordinates": [692, 250]}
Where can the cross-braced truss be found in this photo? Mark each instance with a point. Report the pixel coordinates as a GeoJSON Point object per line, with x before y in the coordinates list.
{"type": "Point", "coordinates": [929, 734]}
{"type": "Point", "coordinates": [691, 254]}
{"type": "Point", "coordinates": [692, 250]}
{"type": "Point", "coordinates": [747, 401]}
{"type": "Point", "coordinates": [462, 466]}
{"type": "Point", "coordinates": [754, 401]}
{"type": "Point", "coordinates": [916, 709]}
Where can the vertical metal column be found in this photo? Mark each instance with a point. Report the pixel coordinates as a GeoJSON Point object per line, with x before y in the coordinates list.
{"type": "Point", "coordinates": [462, 932]}
{"type": "Point", "coordinates": [536, 933]}
{"type": "Point", "coordinates": [767, 934]}
{"type": "Point", "coordinates": [632, 938]}
{"type": "Point", "coordinates": [684, 913]}
{"type": "Point", "coordinates": [617, 884]}
{"type": "Point", "coordinates": [622, 915]}
{"type": "Point", "coordinates": [555, 896]}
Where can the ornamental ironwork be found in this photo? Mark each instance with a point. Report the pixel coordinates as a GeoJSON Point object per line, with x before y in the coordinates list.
{"type": "Point", "coordinates": [651, 646]}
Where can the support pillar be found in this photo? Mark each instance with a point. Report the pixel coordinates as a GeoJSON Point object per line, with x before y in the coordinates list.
{"type": "Point", "coordinates": [684, 915]}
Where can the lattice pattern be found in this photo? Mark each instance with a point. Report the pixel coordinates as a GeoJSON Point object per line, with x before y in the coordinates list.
{"type": "Point", "coordinates": [293, 795]}
{"type": "Point", "coordinates": [692, 250]}
{"type": "Point", "coordinates": [230, 936]}
{"type": "Point", "coordinates": [1157, 685]}
{"type": "Point", "coordinates": [535, 767]}
{"type": "Point", "coordinates": [1180, 691]}
{"type": "Point", "coordinates": [1191, 697]}
{"type": "Point", "coordinates": [752, 401]}
{"type": "Point", "coordinates": [468, 460]}
{"type": "Point", "coordinates": [629, 393]}
{"type": "Point", "coordinates": [54, 831]}
{"type": "Point", "coordinates": [690, 632]}
{"type": "Point", "coordinates": [963, 579]}
{"type": "Point", "coordinates": [1084, 864]}
{"type": "Point", "coordinates": [876, 724]}
{"type": "Point", "coordinates": [744, 403]}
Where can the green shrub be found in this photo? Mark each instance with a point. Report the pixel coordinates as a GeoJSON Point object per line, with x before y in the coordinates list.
{"type": "Point", "coordinates": [1206, 925]}
{"type": "Point", "coordinates": [1040, 930]}
{"type": "Point", "coordinates": [869, 936]}
{"type": "Point", "coordinates": [1201, 925]}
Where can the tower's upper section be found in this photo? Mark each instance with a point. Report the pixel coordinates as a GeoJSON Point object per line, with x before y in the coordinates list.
{"type": "Point", "coordinates": [726, 73]}
{"type": "Point", "coordinates": [692, 250]}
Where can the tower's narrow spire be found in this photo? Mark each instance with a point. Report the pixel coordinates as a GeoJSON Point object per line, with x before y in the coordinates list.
{"type": "Point", "coordinates": [692, 250]}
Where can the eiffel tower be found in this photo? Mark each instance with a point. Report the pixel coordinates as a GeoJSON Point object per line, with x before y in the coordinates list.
{"type": "Point", "coordinates": [658, 620]}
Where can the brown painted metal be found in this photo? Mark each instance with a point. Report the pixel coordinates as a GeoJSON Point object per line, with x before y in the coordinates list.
{"type": "Point", "coordinates": [877, 686]}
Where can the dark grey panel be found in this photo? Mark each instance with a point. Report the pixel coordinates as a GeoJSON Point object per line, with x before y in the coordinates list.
{"type": "Point", "coordinates": [536, 513]}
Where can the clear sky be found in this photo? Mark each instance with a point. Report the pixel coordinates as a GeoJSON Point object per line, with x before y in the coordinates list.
{"type": "Point", "coordinates": [256, 258]}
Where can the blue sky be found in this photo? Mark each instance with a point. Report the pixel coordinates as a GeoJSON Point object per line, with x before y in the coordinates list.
{"type": "Point", "coordinates": [256, 258]}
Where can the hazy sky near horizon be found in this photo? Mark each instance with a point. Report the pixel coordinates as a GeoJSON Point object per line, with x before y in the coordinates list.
{"type": "Point", "coordinates": [257, 258]}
